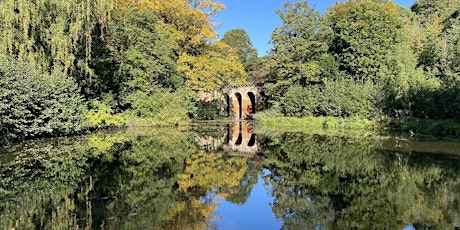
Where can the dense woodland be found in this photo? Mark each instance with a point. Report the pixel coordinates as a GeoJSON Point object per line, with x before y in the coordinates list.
{"type": "Point", "coordinates": [72, 66]}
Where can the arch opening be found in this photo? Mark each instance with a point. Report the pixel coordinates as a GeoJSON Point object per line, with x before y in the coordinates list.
{"type": "Point", "coordinates": [252, 141]}
{"type": "Point", "coordinates": [239, 141]}
{"type": "Point", "coordinates": [226, 99]}
{"type": "Point", "coordinates": [252, 106]}
{"type": "Point", "coordinates": [240, 103]}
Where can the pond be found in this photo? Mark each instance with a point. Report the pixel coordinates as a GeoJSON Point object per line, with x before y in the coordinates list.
{"type": "Point", "coordinates": [226, 176]}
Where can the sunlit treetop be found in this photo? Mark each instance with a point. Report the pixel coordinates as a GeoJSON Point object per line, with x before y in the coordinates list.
{"type": "Point", "coordinates": [191, 17]}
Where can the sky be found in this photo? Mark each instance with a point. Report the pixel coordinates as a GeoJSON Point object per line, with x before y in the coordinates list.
{"type": "Point", "coordinates": [258, 18]}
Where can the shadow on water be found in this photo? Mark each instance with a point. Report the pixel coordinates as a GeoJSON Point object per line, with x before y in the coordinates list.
{"type": "Point", "coordinates": [196, 178]}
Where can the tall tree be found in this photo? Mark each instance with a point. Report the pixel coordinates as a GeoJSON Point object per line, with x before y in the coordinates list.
{"type": "Point", "coordinates": [239, 40]}
{"type": "Point", "coordinates": [138, 53]}
{"type": "Point", "coordinates": [365, 31]}
{"type": "Point", "coordinates": [299, 44]}
{"type": "Point", "coordinates": [433, 17]}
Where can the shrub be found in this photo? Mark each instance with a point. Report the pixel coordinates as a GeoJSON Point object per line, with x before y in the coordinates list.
{"type": "Point", "coordinates": [160, 105]}
{"type": "Point", "coordinates": [347, 98]}
{"type": "Point", "coordinates": [34, 104]}
{"type": "Point", "coordinates": [299, 101]}
{"type": "Point", "coordinates": [207, 110]}
{"type": "Point", "coordinates": [339, 98]}
{"type": "Point", "coordinates": [100, 115]}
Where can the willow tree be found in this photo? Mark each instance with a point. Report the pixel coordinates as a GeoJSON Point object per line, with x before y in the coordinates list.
{"type": "Point", "coordinates": [53, 35]}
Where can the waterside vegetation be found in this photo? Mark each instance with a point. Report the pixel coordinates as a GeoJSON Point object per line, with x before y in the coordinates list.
{"type": "Point", "coordinates": [375, 62]}
{"type": "Point", "coordinates": [70, 67]}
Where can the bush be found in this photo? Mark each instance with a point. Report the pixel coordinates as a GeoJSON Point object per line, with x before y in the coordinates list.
{"type": "Point", "coordinates": [100, 115]}
{"type": "Point", "coordinates": [299, 102]}
{"type": "Point", "coordinates": [160, 105]}
{"type": "Point", "coordinates": [207, 110]}
{"type": "Point", "coordinates": [347, 98]}
{"type": "Point", "coordinates": [435, 103]}
{"type": "Point", "coordinates": [339, 98]}
{"type": "Point", "coordinates": [34, 104]}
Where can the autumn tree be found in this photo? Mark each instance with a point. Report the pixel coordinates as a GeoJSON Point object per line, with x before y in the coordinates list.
{"type": "Point", "coordinates": [215, 66]}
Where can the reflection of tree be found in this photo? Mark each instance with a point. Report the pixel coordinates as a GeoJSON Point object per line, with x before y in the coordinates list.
{"type": "Point", "coordinates": [241, 193]}
{"type": "Point", "coordinates": [42, 187]}
{"type": "Point", "coordinates": [121, 180]}
{"type": "Point", "coordinates": [204, 172]}
{"type": "Point", "coordinates": [334, 183]}
{"type": "Point", "coordinates": [142, 188]}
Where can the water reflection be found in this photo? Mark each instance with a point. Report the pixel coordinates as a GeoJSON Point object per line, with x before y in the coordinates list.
{"type": "Point", "coordinates": [216, 177]}
{"type": "Point", "coordinates": [237, 138]}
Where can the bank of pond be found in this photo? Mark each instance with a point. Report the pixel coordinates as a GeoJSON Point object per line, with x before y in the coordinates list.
{"type": "Point", "coordinates": [232, 175]}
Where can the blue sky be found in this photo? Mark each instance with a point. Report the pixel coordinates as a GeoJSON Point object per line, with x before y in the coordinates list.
{"type": "Point", "coordinates": [258, 17]}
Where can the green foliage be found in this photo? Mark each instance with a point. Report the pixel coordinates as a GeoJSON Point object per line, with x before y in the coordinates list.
{"type": "Point", "coordinates": [299, 101]}
{"type": "Point", "coordinates": [238, 39]}
{"type": "Point", "coordinates": [160, 106]}
{"type": "Point", "coordinates": [299, 44]}
{"type": "Point", "coordinates": [139, 53]}
{"type": "Point", "coordinates": [34, 104]}
{"type": "Point", "coordinates": [207, 110]}
{"type": "Point", "coordinates": [100, 115]}
{"type": "Point", "coordinates": [365, 32]}
{"type": "Point", "coordinates": [346, 98]}
{"type": "Point", "coordinates": [340, 98]}
{"type": "Point", "coordinates": [53, 35]}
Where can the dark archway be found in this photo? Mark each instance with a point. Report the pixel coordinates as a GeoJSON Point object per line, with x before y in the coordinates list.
{"type": "Point", "coordinates": [227, 104]}
{"type": "Point", "coordinates": [240, 103]}
{"type": "Point", "coordinates": [252, 141]}
{"type": "Point", "coordinates": [227, 135]}
{"type": "Point", "coordinates": [239, 140]}
{"type": "Point", "coordinates": [252, 97]}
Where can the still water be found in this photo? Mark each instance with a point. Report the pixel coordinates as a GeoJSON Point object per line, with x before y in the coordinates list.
{"type": "Point", "coordinates": [226, 176]}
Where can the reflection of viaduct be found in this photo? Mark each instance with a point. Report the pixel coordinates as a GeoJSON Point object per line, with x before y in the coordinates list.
{"type": "Point", "coordinates": [240, 139]}
{"type": "Point", "coordinates": [235, 139]}
{"type": "Point", "coordinates": [240, 101]}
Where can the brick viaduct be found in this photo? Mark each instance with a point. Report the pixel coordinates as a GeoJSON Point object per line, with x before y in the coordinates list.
{"type": "Point", "coordinates": [241, 101]}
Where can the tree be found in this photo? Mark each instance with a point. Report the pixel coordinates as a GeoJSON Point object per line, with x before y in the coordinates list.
{"type": "Point", "coordinates": [239, 40]}
{"type": "Point", "coordinates": [433, 17]}
{"type": "Point", "coordinates": [190, 19]}
{"type": "Point", "coordinates": [138, 53]}
{"type": "Point", "coordinates": [216, 66]}
{"type": "Point", "coordinates": [365, 32]}
{"type": "Point", "coordinates": [299, 45]}
{"type": "Point", "coordinates": [54, 35]}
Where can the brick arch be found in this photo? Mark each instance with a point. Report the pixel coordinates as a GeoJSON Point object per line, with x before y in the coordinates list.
{"type": "Point", "coordinates": [243, 101]}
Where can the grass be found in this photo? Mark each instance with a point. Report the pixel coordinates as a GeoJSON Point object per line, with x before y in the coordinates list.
{"type": "Point", "coordinates": [270, 122]}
